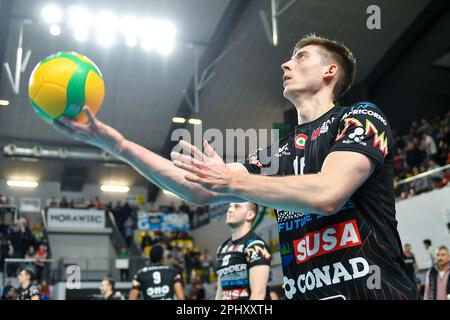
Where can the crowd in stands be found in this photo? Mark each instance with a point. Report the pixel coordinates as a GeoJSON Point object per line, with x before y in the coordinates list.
{"type": "Point", "coordinates": [181, 253]}
{"type": "Point", "coordinates": [22, 241]}
{"type": "Point", "coordinates": [424, 148]}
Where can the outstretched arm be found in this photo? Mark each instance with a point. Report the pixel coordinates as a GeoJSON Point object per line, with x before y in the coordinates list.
{"type": "Point", "coordinates": [342, 173]}
{"type": "Point", "coordinates": [157, 169]}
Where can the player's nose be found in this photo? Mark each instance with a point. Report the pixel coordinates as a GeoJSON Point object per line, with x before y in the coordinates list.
{"type": "Point", "coordinates": [286, 66]}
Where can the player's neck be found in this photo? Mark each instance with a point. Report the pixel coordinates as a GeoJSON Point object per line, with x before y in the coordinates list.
{"type": "Point", "coordinates": [239, 231]}
{"type": "Point", "coordinates": [443, 267]}
{"type": "Point", "coordinates": [25, 284]}
{"type": "Point", "coordinates": [311, 107]}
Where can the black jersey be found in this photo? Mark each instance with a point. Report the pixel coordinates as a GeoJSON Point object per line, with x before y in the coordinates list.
{"type": "Point", "coordinates": [157, 282]}
{"type": "Point", "coordinates": [29, 292]}
{"type": "Point", "coordinates": [235, 259]}
{"type": "Point", "coordinates": [355, 253]}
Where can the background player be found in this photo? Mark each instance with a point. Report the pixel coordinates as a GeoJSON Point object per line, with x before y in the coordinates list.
{"type": "Point", "coordinates": [157, 281]}
{"type": "Point", "coordinates": [243, 260]}
{"type": "Point", "coordinates": [27, 290]}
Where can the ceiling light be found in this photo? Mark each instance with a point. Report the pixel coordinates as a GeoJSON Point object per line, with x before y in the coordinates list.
{"type": "Point", "coordinates": [131, 41]}
{"type": "Point", "coordinates": [195, 121]}
{"type": "Point", "coordinates": [55, 30]}
{"type": "Point", "coordinates": [52, 14]}
{"type": "Point", "coordinates": [158, 35]}
{"type": "Point", "coordinates": [81, 34]}
{"type": "Point", "coordinates": [79, 18]}
{"type": "Point", "coordinates": [4, 103]}
{"type": "Point", "coordinates": [106, 39]}
{"type": "Point", "coordinates": [113, 188]}
{"type": "Point", "coordinates": [178, 120]}
{"type": "Point", "coordinates": [22, 184]}
{"type": "Point", "coordinates": [129, 25]}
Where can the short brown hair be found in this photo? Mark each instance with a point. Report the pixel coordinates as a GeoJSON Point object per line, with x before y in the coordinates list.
{"type": "Point", "coordinates": [254, 207]}
{"type": "Point", "coordinates": [338, 53]}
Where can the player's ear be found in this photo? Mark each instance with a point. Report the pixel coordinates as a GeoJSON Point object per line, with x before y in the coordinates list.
{"type": "Point", "coordinates": [251, 215]}
{"type": "Point", "coordinates": [330, 71]}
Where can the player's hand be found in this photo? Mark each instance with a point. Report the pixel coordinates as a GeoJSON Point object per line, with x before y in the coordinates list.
{"type": "Point", "coordinates": [208, 170]}
{"type": "Point", "coordinates": [94, 132]}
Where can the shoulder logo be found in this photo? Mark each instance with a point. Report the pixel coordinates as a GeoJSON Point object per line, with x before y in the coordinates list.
{"type": "Point", "coordinates": [300, 141]}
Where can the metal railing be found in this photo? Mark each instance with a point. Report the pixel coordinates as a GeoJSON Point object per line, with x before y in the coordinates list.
{"type": "Point", "coordinates": [428, 181]}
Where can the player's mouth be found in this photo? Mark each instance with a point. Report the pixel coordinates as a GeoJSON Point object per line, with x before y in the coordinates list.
{"type": "Point", "coordinates": [286, 78]}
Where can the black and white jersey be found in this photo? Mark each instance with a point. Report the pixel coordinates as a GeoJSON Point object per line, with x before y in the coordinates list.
{"type": "Point", "coordinates": [31, 291]}
{"type": "Point", "coordinates": [234, 261]}
{"type": "Point", "coordinates": [355, 253]}
{"type": "Point", "coordinates": [157, 282]}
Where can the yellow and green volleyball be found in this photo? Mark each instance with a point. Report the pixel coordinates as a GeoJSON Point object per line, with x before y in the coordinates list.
{"type": "Point", "coordinates": [61, 84]}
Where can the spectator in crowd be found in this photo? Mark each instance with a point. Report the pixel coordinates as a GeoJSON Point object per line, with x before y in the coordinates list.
{"type": "Point", "coordinates": [1, 200]}
{"type": "Point", "coordinates": [3, 229]}
{"type": "Point", "coordinates": [413, 155]}
{"type": "Point", "coordinates": [147, 240]}
{"type": "Point", "coordinates": [205, 260]}
{"type": "Point", "coordinates": [45, 291]}
{"type": "Point", "coordinates": [41, 255]}
{"type": "Point", "coordinates": [171, 208]}
{"type": "Point", "coordinates": [197, 290]}
{"type": "Point", "coordinates": [410, 262]}
{"type": "Point", "coordinates": [98, 204]}
{"type": "Point", "coordinates": [413, 129]}
{"type": "Point", "coordinates": [27, 240]}
{"type": "Point", "coordinates": [30, 254]}
{"type": "Point", "coordinates": [47, 247]}
{"type": "Point", "coordinates": [64, 203]}
{"type": "Point", "coordinates": [429, 145]}
{"type": "Point", "coordinates": [14, 235]}
{"type": "Point", "coordinates": [124, 255]}
{"type": "Point", "coordinates": [11, 268]}
{"type": "Point", "coordinates": [13, 294]}
{"type": "Point", "coordinates": [8, 286]}
{"type": "Point", "coordinates": [424, 126]}
{"type": "Point", "coordinates": [23, 223]}
{"type": "Point", "coordinates": [399, 162]}
{"type": "Point", "coordinates": [37, 232]}
{"type": "Point", "coordinates": [128, 228]}
{"type": "Point", "coordinates": [53, 203]}
{"type": "Point", "coordinates": [3, 253]}
{"type": "Point", "coordinates": [437, 176]}
{"type": "Point", "coordinates": [437, 284]}
{"type": "Point", "coordinates": [184, 208]}
{"type": "Point", "coordinates": [421, 185]}
{"type": "Point", "coordinates": [429, 248]}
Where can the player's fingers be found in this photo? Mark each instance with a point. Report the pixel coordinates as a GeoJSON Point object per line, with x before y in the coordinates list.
{"type": "Point", "coordinates": [72, 124]}
{"type": "Point", "coordinates": [195, 179]}
{"type": "Point", "coordinates": [210, 152]}
{"type": "Point", "coordinates": [188, 167]}
{"type": "Point", "coordinates": [60, 127]}
{"type": "Point", "coordinates": [197, 154]}
{"type": "Point", "coordinates": [92, 120]}
{"type": "Point", "coordinates": [184, 158]}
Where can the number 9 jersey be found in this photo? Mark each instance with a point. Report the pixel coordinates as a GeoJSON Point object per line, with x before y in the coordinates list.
{"type": "Point", "coordinates": [156, 282]}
